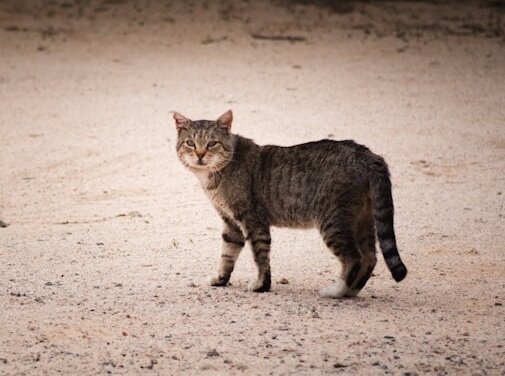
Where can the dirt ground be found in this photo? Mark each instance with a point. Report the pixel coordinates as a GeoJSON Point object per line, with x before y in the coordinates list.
{"type": "Point", "coordinates": [107, 243]}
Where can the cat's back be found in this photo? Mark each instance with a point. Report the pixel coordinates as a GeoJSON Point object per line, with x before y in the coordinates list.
{"type": "Point", "coordinates": [322, 155]}
{"type": "Point", "coordinates": [294, 182]}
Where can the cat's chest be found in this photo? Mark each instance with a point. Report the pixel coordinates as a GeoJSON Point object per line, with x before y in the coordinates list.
{"type": "Point", "coordinates": [203, 178]}
{"type": "Point", "coordinates": [214, 194]}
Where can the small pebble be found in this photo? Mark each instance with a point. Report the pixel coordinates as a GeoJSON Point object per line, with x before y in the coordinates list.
{"type": "Point", "coordinates": [212, 353]}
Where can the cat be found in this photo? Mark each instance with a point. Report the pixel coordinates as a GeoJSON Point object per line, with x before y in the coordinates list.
{"type": "Point", "coordinates": [339, 187]}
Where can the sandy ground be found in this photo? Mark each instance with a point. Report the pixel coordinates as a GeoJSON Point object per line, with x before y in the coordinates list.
{"type": "Point", "coordinates": [110, 242]}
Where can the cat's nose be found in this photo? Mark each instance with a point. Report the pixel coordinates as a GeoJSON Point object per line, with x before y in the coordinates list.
{"type": "Point", "coordinates": [200, 156]}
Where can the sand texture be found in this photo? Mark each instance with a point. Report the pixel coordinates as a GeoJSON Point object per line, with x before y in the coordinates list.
{"type": "Point", "coordinates": [107, 243]}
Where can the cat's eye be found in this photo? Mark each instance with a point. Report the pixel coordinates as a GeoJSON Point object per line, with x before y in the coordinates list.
{"type": "Point", "coordinates": [211, 144]}
{"type": "Point", "coordinates": [190, 143]}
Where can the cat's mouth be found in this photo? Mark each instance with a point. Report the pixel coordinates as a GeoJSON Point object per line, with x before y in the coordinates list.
{"type": "Point", "coordinates": [200, 165]}
{"type": "Point", "coordinates": [196, 164]}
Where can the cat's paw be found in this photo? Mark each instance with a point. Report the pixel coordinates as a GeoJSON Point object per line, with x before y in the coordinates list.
{"type": "Point", "coordinates": [260, 286]}
{"type": "Point", "coordinates": [219, 281]}
{"type": "Point", "coordinates": [335, 291]}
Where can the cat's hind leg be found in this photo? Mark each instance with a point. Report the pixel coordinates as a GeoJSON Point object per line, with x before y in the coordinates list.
{"type": "Point", "coordinates": [339, 237]}
{"type": "Point", "coordinates": [233, 242]}
{"type": "Point", "coordinates": [366, 242]}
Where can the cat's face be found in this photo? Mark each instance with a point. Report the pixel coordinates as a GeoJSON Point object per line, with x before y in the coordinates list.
{"type": "Point", "coordinates": [204, 144]}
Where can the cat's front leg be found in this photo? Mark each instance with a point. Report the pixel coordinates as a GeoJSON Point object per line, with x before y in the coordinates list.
{"type": "Point", "coordinates": [233, 242]}
{"type": "Point", "coordinates": [259, 236]}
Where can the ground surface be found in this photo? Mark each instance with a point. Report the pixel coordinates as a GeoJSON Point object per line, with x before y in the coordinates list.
{"type": "Point", "coordinates": [110, 242]}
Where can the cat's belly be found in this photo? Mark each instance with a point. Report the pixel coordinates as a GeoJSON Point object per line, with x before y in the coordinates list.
{"type": "Point", "coordinates": [290, 211]}
{"type": "Point", "coordinates": [292, 221]}
{"type": "Point", "coordinates": [294, 224]}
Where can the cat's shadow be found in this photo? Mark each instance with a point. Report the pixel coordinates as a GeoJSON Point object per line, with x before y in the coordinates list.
{"type": "Point", "coordinates": [297, 293]}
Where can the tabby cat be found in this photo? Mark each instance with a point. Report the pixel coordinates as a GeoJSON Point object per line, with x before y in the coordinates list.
{"type": "Point", "coordinates": [339, 187]}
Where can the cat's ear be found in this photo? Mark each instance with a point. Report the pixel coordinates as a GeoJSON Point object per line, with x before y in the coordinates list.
{"type": "Point", "coordinates": [181, 122]}
{"type": "Point", "coordinates": [225, 120]}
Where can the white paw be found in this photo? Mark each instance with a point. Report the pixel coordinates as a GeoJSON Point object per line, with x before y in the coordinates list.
{"type": "Point", "coordinates": [260, 285]}
{"type": "Point", "coordinates": [213, 280]}
{"type": "Point", "coordinates": [338, 290]}
{"type": "Point", "coordinates": [250, 286]}
{"type": "Point", "coordinates": [254, 285]}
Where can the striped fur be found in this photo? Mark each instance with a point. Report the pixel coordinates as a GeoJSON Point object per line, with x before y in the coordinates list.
{"type": "Point", "coordinates": [339, 187]}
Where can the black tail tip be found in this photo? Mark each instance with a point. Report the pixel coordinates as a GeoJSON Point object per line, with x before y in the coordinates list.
{"type": "Point", "coordinates": [399, 272]}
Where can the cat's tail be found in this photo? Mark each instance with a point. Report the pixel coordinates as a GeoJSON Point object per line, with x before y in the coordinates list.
{"type": "Point", "coordinates": [382, 203]}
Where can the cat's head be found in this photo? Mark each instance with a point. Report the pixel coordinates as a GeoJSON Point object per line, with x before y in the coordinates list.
{"type": "Point", "coordinates": [205, 144]}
